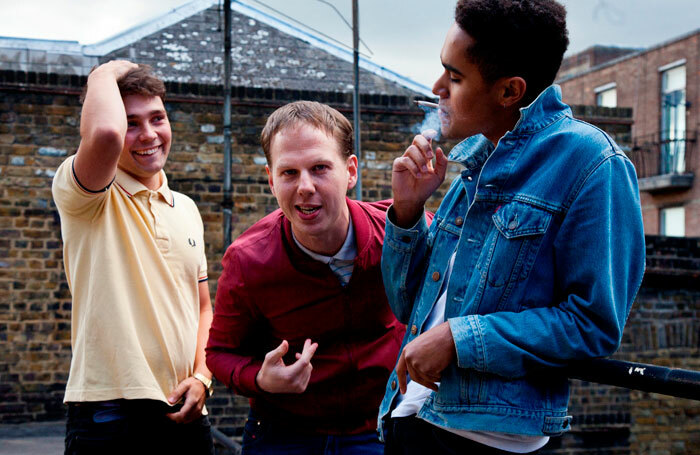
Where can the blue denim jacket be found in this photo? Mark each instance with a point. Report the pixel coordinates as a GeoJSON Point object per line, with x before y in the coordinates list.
{"type": "Point", "coordinates": [550, 254]}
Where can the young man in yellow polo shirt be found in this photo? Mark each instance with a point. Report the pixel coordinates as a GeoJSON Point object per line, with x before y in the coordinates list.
{"type": "Point", "coordinates": [135, 263]}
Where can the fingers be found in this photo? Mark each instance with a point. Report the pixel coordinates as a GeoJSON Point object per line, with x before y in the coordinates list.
{"type": "Point", "coordinates": [308, 351]}
{"type": "Point", "coordinates": [417, 158]}
{"type": "Point", "coordinates": [183, 415]}
{"type": "Point", "coordinates": [194, 394]}
{"type": "Point", "coordinates": [440, 163]}
{"type": "Point", "coordinates": [401, 371]}
{"type": "Point", "coordinates": [276, 354]}
{"type": "Point", "coordinates": [177, 393]}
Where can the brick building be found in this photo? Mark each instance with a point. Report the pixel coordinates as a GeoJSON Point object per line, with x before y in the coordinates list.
{"type": "Point", "coordinates": [39, 117]}
{"type": "Point", "coordinates": [662, 86]}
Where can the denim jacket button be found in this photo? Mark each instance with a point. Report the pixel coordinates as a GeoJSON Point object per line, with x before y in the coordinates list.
{"type": "Point", "coordinates": [469, 177]}
{"type": "Point", "coordinates": [414, 329]}
{"type": "Point", "coordinates": [513, 224]}
{"type": "Point", "coordinates": [393, 384]}
{"type": "Point", "coordinates": [436, 276]}
{"type": "Point", "coordinates": [459, 220]}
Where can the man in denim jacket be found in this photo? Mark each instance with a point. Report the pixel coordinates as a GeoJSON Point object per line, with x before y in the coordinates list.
{"type": "Point", "coordinates": [533, 259]}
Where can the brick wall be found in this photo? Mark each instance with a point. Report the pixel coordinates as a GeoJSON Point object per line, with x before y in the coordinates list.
{"type": "Point", "coordinates": [39, 128]}
{"type": "Point", "coordinates": [663, 329]}
{"type": "Point", "coordinates": [638, 87]}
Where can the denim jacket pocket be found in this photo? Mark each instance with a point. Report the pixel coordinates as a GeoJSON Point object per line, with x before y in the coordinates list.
{"type": "Point", "coordinates": [512, 247]}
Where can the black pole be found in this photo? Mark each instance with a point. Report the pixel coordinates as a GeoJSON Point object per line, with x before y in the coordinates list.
{"type": "Point", "coordinates": [356, 96]}
{"type": "Point", "coordinates": [639, 376]}
{"type": "Point", "coordinates": [228, 201]}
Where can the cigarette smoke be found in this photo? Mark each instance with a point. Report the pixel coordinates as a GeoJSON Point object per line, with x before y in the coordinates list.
{"type": "Point", "coordinates": [430, 122]}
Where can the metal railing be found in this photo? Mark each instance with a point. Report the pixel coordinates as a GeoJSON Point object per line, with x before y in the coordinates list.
{"type": "Point", "coordinates": [630, 375]}
{"type": "Point", "coordinates": [663, 153]}
{"type": "Point", "coordinates": [639, 376]}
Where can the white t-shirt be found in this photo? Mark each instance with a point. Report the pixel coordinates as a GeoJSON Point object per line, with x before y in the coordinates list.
{"type": "Point", "coordinates": [410, 403]}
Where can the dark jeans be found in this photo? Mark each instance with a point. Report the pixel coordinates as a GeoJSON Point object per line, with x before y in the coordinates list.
{"type": "Point", "coordinates": [274, 438]}
{"type": "Point", "coordinates": [133, 427]}
{"type": "Point", "coordinates": [411, 435]}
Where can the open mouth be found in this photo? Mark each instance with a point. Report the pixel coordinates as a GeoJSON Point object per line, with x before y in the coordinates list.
{"type": "Point", "coordinates": [308, 210]}
{"type": "Point", "coordinates": [147, 152]}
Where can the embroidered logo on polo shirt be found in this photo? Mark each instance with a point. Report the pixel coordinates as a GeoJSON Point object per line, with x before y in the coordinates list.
{"type": "Point", "coordinates": [191, 242]}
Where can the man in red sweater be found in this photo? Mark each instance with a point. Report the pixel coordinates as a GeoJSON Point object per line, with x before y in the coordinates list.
{"type": "Point", "coordinates": [302, 325]}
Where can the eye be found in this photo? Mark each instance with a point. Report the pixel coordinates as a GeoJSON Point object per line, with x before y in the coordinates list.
{"type": "Point", "coordinates": [289, 172]}
{"type": "Point", "coordinates": [320, 167]}
{"type": "Point", "coordinates": [131, 124]}
{"type": "Point", "coordinates": [454, 79]}
{"type": "Point", "coordinates": [158, 118]}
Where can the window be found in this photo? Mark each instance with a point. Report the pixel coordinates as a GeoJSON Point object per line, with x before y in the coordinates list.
{"type": "Point", "coordinates": [673, 118]}
{"type": "Point", "coordinates": [673, 222]}
{"type": "Point", "coordinates": [606, 95]}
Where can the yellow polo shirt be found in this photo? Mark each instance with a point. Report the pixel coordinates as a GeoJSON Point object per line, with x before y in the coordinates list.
{"type": "Point", "coordinates": [133, 259]}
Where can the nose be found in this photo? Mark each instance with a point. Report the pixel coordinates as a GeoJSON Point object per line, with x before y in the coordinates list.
{"type": "Point", "coordinates": [439, 87]}
{"type": "Point", "coordinates": [147, 134]}
{"type": "Point", "coordinates": [306, 185]}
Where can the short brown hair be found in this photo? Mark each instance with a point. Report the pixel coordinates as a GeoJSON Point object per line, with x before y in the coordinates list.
{"type": "Point", "coordinates": [138, 81]}
{"type": "Point", "coordinates": [318, 115]}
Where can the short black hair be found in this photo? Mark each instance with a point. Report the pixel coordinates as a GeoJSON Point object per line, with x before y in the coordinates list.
{"type": "Point", "coordinates": [525, 38]}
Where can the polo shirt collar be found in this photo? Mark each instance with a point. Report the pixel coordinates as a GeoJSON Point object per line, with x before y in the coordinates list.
{"type": "Point", "coordinates": [132, 186]}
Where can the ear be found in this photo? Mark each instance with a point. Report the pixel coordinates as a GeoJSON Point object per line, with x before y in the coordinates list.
{"type": "Point", "coordinates": [351, 164]}
{"type": "Point", "coordinates": [512, 90]}
{"type": "Point", "coordinates": [269, 180]}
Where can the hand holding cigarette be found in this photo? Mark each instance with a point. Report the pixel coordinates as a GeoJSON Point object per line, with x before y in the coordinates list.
{"type": "Point", "coordinates": [414, 178]}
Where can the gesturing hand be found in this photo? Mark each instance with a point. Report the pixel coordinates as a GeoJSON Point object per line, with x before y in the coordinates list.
{"type": "Point", "coordinates": [426, 357]}
{"type": "Point", "coordinates": [276, 377]}
{"type": "Point", "coordinates": [414, 179]}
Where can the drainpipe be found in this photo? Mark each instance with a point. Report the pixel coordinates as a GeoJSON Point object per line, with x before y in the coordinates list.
{"type": "Point", "coordinates": [356, 96]}
{"type": "Point", "coordinates": [227, 203]}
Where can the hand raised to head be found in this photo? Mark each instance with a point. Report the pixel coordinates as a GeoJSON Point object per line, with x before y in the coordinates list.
{"type": "Point", "coordinates": [276, 377]}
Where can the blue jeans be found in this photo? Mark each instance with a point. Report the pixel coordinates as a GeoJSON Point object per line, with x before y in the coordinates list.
{"type": "Point", "coordinates": [132, 427]}
{"type": "Point", "coordinates": [273, 438]}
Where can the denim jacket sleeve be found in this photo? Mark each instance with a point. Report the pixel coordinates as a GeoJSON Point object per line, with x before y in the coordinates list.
{"type": "Point", "coordinates": [599, 259]}
{"type": "Point", "coordinates": [403, 255]}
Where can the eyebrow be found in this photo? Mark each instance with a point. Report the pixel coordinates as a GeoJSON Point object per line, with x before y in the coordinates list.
{"type": "Point", "coordinates": [452, 69]}
{"type": "Point", "coordinates": [153, 112]}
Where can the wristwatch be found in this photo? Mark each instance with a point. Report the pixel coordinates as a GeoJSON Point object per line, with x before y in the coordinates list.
{"type": "Point", "coordinates": [206, 381]}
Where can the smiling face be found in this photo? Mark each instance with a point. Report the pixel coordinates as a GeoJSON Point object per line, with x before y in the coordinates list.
{"type": "Point", "coordinates": [147, 141]}
{"type": "Point", "coordinates": [468, 104]}
{"type": "Point", "coordinates": [310, 177]}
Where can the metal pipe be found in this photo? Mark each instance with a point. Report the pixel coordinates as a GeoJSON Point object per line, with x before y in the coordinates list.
{"type": "Point", "coordinates": [639, 376]}
{"type": "Point", "coordinates": [356, 96]}
{"type": "Point", "coordinates": [227, 203]}
{"type": "Point", "coordinates": [221, 438]}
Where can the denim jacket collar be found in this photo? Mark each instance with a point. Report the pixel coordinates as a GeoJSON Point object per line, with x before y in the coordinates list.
{"type": "Point", "coordinates": [546, 109]}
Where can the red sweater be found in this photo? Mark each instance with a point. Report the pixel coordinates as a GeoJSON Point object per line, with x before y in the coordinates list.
{"type": "Point", "coordinates": [272, 291]}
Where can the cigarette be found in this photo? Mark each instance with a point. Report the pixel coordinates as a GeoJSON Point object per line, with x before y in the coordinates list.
{"type": "Point", "coordinates": [427, 104]}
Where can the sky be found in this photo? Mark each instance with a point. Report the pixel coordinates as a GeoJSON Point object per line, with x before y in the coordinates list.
{"type": "Point", "coordinates": [403, 35]}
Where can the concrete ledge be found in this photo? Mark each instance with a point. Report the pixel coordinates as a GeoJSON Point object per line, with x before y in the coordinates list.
{"type": "Point", "coordinates": [666, 182]}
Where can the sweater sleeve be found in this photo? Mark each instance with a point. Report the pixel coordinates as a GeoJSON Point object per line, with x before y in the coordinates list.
{"type": "Point", "coordinates": [234, 320]}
